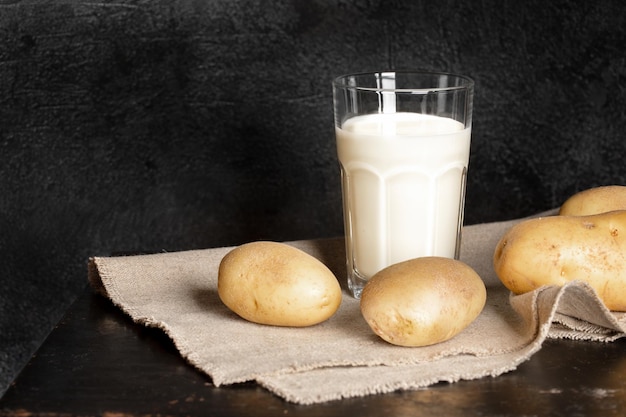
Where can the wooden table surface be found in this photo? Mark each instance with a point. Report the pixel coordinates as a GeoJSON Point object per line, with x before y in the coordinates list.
{"type": "Point", "coordinates": [97, 362]}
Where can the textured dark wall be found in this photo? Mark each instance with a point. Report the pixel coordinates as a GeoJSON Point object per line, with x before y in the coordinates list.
{"type": "Point", "coordinates": [172, 125]}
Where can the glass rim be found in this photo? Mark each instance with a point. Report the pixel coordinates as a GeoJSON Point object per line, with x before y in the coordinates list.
{"type": "Point", "coordinates": [339, 81]}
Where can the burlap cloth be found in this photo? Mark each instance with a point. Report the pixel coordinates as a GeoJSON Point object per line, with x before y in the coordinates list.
{"type": "Point", "coordinates": [341, 358]}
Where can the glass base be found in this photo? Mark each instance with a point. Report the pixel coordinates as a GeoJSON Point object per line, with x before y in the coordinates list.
{"type": "Point", "coordinates": [356, 282]}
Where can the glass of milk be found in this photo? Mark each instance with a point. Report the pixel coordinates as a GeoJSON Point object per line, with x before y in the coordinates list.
{"type": "Point", "coordinates": [403, 143]}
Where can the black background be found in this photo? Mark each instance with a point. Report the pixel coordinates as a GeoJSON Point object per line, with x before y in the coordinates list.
{"type": "Point", "coordinates": [172, 125]}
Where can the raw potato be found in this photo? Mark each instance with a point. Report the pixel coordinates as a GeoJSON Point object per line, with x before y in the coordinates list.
{"type": "Point", "coordinates": [276, 284]}
{"type": "Point", "coordinates": [595, 201]}
{"type": "Point", "coordinates": [422, 301]}
{"type": "Point", "coordinates": [558, 249]}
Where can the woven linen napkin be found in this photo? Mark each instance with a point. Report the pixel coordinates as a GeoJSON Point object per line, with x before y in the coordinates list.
{"type": "Point", "coordinates": [342, 357]}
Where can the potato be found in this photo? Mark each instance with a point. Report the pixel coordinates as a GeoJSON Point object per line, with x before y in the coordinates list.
{"type": "Point", "coordinates": [595, 201]}
{"type": "Point", "coordinates": [559, 249]}
{"type": "Point", "coordinates": [276, 284]}
{"type": "Point", "coordinates": [422, 301]}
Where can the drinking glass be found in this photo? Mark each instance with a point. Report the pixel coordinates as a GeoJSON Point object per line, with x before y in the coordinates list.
{"type": "Point", "coordinates": [403, 143]}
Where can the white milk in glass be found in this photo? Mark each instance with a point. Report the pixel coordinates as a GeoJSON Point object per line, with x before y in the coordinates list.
{"type": "Point", "coordinates": [403, 177]}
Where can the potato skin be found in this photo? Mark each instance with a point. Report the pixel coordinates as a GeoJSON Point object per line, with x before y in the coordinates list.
{"type": "Point", "coordinates": [595, 201]}
{"type": "Point", "coordinates": [422, 301]}
{"type": "Point", "coordinates": [559, 249]}
{"type": "Point", "coordinates": [276, 284]}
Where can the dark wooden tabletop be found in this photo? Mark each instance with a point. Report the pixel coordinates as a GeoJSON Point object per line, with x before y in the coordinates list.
{"type": "Point", "coordinates": [97, 362]}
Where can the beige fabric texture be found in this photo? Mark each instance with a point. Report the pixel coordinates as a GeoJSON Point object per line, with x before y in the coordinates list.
{"type": "Point", "coordinates": [342, 358]}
